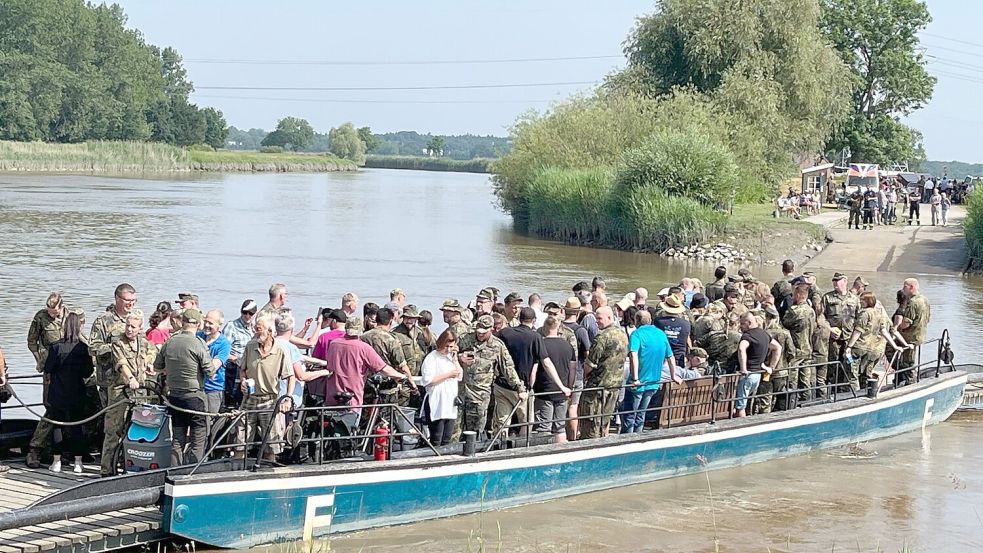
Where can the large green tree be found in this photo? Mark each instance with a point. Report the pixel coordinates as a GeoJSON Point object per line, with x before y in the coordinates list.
{"type": "Point", "coordinates": [345, 142]}
{"type": "Point", "coordinates": [292, 133]}
{"type": "Point", "coordinates": [371, 141]}
{"type": "Point", "coordinates": [878, 40]}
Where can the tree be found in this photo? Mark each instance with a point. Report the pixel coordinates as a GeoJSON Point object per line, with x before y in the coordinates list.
{"type": "Point", "coordinates": [291, 132]}
{"type": "Point", "coordinates": [878, 40]}
{"type": "Point", "coordinates": [216, 130]}
{"type": "Point", "coordinates": [346, 143]}
{"type": "Point", "coordinates": [370, 140]}
{"type": "Point", "coordinates": [436, 146]}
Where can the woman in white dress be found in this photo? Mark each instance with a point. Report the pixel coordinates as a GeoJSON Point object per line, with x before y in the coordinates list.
{"type": "Point", "coordinates": [440, 374]}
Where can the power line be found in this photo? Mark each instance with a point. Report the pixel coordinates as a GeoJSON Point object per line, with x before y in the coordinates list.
{"type": "Point", "coordinates": [370, 88]}
{"type": "Point", "coordinates": [384, 62]}
{"type": "Point", "coordinates": [965, 53]}
{"type": "Point", "coordinates": [958, 76]}
{"type": "Point", "coordinates": [354, 101]}
{"type": "Point", "coordinates": [943, 37]}
{"type": "Point", "coordinates": [955, 64]}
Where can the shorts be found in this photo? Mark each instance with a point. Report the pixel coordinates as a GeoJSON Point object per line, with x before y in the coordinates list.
{"type": "Point", "coordinates": [547, 413]}
{"type": "Point", "coordinates": [578, 388]}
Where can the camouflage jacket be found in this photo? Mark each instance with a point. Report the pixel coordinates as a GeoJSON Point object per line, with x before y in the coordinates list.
{"type": "Point", "coordinates": [784, 339]}
{"type": "Point", "coordinates": [917, 312]}
{"type": "Point", "coordinates": [415, 346]}
{"type": "Point", "coordinates": [44, 331]}
{"type": "Point", "coordinates": [840, 311]}
{"type": "Point", "coordinates": [721, 346]}
{"type": "Point", "coordinates": [492, 363]}
{"type": "Point", "coordinates": [607, 359]}
{"type": "Point", "coordinates": [871, 323]}
{"type": "Point", "coordinates": [800, 320]}
{"type": "Point", "coordinates": [106, 329]}
{"type": "Point", "coordinates": [135, 355]}
{"type": "Point", "coordinates": [704, 326]}
{"type": "Point", "coordinates": [387, 345]}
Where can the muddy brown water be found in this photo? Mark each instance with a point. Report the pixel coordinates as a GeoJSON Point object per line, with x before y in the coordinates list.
{"type": "Point", "coordinates": [438, 235]}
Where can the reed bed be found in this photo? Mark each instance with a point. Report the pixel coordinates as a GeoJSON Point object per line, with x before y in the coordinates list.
{"type": "Point", "coordinates": [92, 157]}
{"type": "Point", "coordinates": [229, 161]}
{"type": "Point", "coordinates": [420, 163]}
{"type": "Point", "coordinates": [973, 226]}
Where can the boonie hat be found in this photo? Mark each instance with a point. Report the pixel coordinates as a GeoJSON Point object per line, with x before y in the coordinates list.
{"type": "Point", "coordinates": [838, 276]}
{"type": "Point", "coordinates": [410, 312]}
{"type": "Point", "coordinates": [698, 352]}
{"type": "Point", "coordinates": [191, 315]}
{"type": "Point", "coordinates": [353, 327]}
{"type": "Point", "coordinates": [484, 324]}
{"type": "Point", "coordinates": [672, 305]}
{"type": "Point", "coordinates": [451, 304]}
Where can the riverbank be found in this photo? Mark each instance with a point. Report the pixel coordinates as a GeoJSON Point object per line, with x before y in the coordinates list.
{"type": "Point", "coordinates": [420, 163]}
{"type": "Point", "coordinates": [112, 157]}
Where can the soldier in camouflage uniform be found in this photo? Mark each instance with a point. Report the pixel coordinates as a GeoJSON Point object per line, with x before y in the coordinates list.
{"type": "Point", "coordinates": [914, 322]}
{"type": "Point", "coordinates": [820, 354]}
{"type": "Point", "coordinates": [452, 311]}
{"type": "Point", "coordinates": [46, 329]}
{"type": "Point", "coordinates": [133, 363]}
{"type": "Point", "coordinates": [721, 344]}
{"type": "Point", "coordinates": [774, 385]}
{"type": "Point", "coordinates": [840, 308]}
{"type": "Point", "coordinates": [485, 360]}
{"type": "Point", "coordinates": [605, 369]}
{"type": "Point", "coordinates": [413, 340]}
{"type": "Point", "coordinates": [800, 321]}
{"type": "Point", "coordinates": [712, 320]}
{"type": "Point", "coordinates": [748, 298]}
{"type": "Point", "coordinates": [732, 302]}
{"type": "Point", "coordinates": [865, 347]}
{"type": "Point", "coordinates": [513, 302]}
{"type": "Point", "coordinates": [390, 349]}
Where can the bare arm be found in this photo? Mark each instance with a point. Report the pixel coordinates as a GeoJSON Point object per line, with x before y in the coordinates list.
{"type": "Point", "coordinates": [775, 349]}
{"type": "Point", "coordinates": [672, 368]}
{"type": "Point", "coordinates": [551, 371]}
{"type": "Point", "coordinates": [742, 356]}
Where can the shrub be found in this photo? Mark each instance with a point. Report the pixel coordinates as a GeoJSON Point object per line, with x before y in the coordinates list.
{"type": "Point", "coordinates": [973, 225]}
{"type": "Point", "coordinates": [271, 150]}
{"type": "Point", "coordinates": [679, 163]}
{"type": "Point", "coordinates": [569, 204]}
{"type": "Point", "coordinates": [645, 217]}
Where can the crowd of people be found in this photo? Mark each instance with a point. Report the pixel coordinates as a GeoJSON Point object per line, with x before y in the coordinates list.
{"type": "Point", "coordinates": [869, 207]}
{"type": "Point", "coordinates": [571, 370]}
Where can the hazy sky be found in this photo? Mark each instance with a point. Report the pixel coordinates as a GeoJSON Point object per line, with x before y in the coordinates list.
{"type": "Point", "coordinates": [453, 30]}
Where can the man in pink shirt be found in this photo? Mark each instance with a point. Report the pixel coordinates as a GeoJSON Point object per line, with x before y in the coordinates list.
{"type": "Point", "coordinates": [349, 360]}
{"type": "Point", "coordinates": [337, 319]}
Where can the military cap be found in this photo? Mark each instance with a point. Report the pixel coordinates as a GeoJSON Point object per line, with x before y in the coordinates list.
{"type": "Point", "coordinates": [513, 296]}
{"type": "Point", "coordinates": [191, 316]}
{"type": "Point", "coordinates": [410, 312]}
{"type": "Point", "coordinates": [484, 323]}
{"type": "Point", "coordinates": [733, 278]}
{"type": "Point", "coordinates": [491, 291]}
{"type": "Point", "coordinates": [338, 315]}
{"type": "Point", "coordinates": [839, 276]}
{"type": "Point", "coordinates": [186, 296]}
{"type": "Point", "coordinates": [353, 326]}
{"type": "Point", "coordinates": [552, 307]}
{"type": "Point", "coordinates": [451, 304]}
{"type": "Point", "coordinates": [698, 352]}
{"type": "Point", "coordinates": [861, 280]}
{"type": "Point", "coordinates": [730, 287]}
{"type": "Point", "coordinates": [485, 295]}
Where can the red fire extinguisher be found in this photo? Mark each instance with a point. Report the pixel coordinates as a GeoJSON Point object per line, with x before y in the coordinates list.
{"type": "Point", "coordinates": [381, 450]}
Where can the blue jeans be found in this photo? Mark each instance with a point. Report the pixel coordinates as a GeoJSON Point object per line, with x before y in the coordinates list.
{"type": "Point", "coordinates": [746, 387]}
{"type": "Point", "coordinates": [635, 404]}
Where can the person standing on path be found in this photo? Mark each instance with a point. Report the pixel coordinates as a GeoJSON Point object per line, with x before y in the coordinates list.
{"type": "Point", "coordinates": [945, 203]}
{"type": "Point", "coordinates": [914, 199]}
{"type": "Point", "coordinates": [936, 202]}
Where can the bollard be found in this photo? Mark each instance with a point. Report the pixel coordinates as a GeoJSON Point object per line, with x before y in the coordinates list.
{"type": "Point", "coordinates": [470, 442]}
{"type": "Point", "coordinates": [873, 386]}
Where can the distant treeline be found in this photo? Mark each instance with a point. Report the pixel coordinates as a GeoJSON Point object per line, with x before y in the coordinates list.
{"type": "Point", "coordinates": [955, 169]}
{"type": "Point", "coordinates": [478, 165]}
{"type": "Point", "coordinates": [403, 143]}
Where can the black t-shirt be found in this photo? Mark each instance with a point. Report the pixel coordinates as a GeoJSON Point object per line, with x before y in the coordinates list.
{"type": "Point", "coordinates": [677, 329]}
{"type": "Point", "coordinates": [561, 354]}
{"type": "Point", "coordinates": [757, 350]}
{"type": "Point", "coordinates": [526, 347]}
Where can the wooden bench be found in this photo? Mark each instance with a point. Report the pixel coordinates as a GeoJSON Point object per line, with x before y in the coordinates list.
{"type": "Point", "coordinates": [691, 402]}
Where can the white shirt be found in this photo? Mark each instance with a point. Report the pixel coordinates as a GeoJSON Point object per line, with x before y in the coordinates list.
{"type": "Point", "coordinates": [540, 318]}
{"type": "Point", "coordinates": [929, 184]}
{"type": "Point", "coordinates": [440, 396]}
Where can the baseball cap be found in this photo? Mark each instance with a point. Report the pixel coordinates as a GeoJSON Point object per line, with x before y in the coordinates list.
{"type": "Point", "coordinates": [249, 306]}
{"type": "Point", "coordinates": [513, 296]}
{"type": "Point", "coordinates": [191, 316]}
{"type": "Point", "coordinates": [186, 296]}
{"type": "Point", "coordinates": [410, 312]}
{"type": "Point", "coordinates": [353, 326]}
{"type": "Point", "coordinates": [838, 276]}
{"type": "Point", "coordinates": [338, 315]}
{"type": "Point", "coordinates": [484, 324]}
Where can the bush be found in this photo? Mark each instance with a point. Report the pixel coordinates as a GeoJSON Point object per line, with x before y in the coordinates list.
{"type": "Point", "coordinates": [271, 150]}
{"type": "Point", "coordinates": [685, 164]}
{"type": "Point", "coordinates": [569, 204]}
{"type": "Point", "coordinates": [973, 225]}
{"type": "Point", "coordinates": [645, 217]}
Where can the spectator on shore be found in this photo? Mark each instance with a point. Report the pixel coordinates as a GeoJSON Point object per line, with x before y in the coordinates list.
{"type": "Point", "coordinates": [440, 373]}
{"type": "Point", "coordinates": [935, 201]}
{"type": "Point", "coordinates": [67, 365]}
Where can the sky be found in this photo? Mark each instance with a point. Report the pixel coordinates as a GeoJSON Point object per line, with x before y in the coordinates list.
{"type": "Point", "coordinates": [356, 36]}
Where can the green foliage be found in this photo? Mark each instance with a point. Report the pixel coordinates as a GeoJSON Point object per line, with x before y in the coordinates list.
{"type": "Point", "coordinates": [878, 40]}
{"type": "Point", "coordinates": [973, 226]}
{"type": "Point", "coordinates": [371, 141]}
{"type": "Point", "coordinates": [292, 133]}
{"type": "Point", "coordinates": [954, 169]}
{"type": "Point", "coordinates": [569, 204]}
{"type": "Point", "coordinates": [682, 164]}
{"type": "Point", "coordinates": [646, 218]}
{"type": "Point", "coordinates": [73, 72]}
{"type": "Point", "coordinates": [411, 143]}
{"type": "Point", "coordinates": [271, 149]}
{"type": "Point", "coordinates": [345, 143]}
{"type": "Point", "coordinates": [226, 160]}
{"type": "Point", "coordinates": [216, 130]}
{"type": "Point", "coordinates": [421, 163]}
{"type": "Point", "coordinates": [435, 147]}
{"type": "Point", "coordinates": [95, 156]}
{"type": "Point", "coordinates": [239, 139]}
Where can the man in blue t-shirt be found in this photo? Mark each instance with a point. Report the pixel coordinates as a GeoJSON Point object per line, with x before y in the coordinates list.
{"type": "Point", "coordinates": [219, 347]}
{"type": "Point", "coordinates": [649, 351]}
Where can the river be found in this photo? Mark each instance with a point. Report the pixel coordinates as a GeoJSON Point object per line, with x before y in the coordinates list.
{"type": "Point", "coordinates": [227, 237]}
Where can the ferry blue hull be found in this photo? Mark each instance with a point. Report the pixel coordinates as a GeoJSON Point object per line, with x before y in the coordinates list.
{"type": "Point", "coordinates": [285, 504]}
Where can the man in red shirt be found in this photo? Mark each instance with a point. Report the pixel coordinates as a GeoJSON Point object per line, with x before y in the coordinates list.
{"type": "Point", "coordinates": [349, 360]}
{"type": "Point", "coordinates": [337, 319]}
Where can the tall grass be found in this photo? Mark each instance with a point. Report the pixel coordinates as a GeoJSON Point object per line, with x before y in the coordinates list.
{"type": "Point", "coordinates": [229, 160]}
{"type": "Point", "coordinates": [570, 204]}
{"type": "Point", "coordinates": [477, 165]}
{"type": "Point", "coordinates": [973, 226]}
{"type": "Point", "coordinates": [92, 157]}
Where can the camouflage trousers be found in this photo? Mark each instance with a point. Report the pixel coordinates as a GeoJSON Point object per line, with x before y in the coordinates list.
{"type": "Point", "coordinates": [596, 408]}
{"type": "Point", "coordinates": [115, 421]}
{"type": "Point", "coordinates": [783, 387]}
{"type": "Point", "coordinates": [766, 399]}
{"type": "Point", "coordinates": [864, 364]}
{"type": "Point", "coordinates": [505, 402]}
{"type": "Point", "coordinates": [472, 416]}
{"type": "Point", "coordinates": [42, 433]}
{"type": "Point", "coordinates": [809, 377]}
{"type": "Point", "coordinates": [909, 360]}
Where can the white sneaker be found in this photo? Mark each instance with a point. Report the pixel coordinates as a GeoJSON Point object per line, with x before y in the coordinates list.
{"type": "Point", "coordinates": [78, 466]}
{"type": "Point", "coordinates": [55, 465]}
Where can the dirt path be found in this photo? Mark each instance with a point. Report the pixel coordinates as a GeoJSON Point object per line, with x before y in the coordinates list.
{"type": "Point", "coordinates": [902, 249]}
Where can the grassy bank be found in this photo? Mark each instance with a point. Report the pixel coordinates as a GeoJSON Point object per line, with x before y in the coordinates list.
{"type": "Point", "coordinates": [148, 157]}
{"type": "Point", "coordinates": [973, 227]}
{"type": "Point", "coordinates": [420, 163]}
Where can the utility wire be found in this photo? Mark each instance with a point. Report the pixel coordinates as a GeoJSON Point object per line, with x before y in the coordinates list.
{"type": "Point", "coordinates": [943, 37]}
{"type": "Point", "coordinates": [384, 62]}
{"type": "Point", "coordinates": [963, 52]}
{"type": "Point", "coordinates": [355, 101]}
{"type": "Point", "coordinates": [367, 88]}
